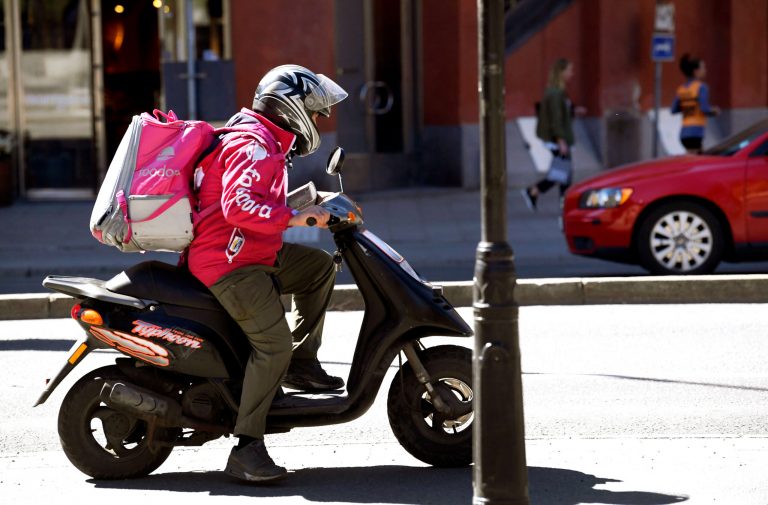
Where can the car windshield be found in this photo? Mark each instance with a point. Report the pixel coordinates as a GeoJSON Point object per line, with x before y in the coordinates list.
{"type": "Point", "coordinates": [736, 143]}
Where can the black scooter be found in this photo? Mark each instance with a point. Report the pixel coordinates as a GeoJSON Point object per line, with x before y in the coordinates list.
{"type": "Point", "coordinates": [180, 379]}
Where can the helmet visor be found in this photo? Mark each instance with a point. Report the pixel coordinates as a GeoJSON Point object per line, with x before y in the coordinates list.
{"type": "Point", "coordinates": [324, 95]}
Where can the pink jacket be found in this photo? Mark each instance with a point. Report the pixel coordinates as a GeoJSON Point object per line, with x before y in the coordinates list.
{"type": "Point", "coordinates": [247, 174]}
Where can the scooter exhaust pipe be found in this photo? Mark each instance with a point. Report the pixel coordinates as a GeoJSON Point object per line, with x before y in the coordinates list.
{"type": "Point", "coordinates": [152, 407]}
{"type": "Point", "coordinates": [141, 403]}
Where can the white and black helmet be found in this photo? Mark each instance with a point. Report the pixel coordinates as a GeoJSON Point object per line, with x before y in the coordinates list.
{"type": "Point", "coordinates": [289, 94]}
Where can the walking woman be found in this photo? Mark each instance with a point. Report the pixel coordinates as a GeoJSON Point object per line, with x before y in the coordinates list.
{"type": "Point", "coordinates": [554, 127]}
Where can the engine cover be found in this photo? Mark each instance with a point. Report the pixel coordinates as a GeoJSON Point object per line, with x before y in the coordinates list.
{"type": "Point", "coordinates": [203, 402]}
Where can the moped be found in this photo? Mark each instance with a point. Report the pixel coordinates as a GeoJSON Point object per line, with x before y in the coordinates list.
{"type": "Point", "coordinates": [178, 378]}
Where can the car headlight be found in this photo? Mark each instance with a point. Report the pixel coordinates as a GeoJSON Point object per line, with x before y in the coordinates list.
{"type": "Point", "coordinates": [604, 198]}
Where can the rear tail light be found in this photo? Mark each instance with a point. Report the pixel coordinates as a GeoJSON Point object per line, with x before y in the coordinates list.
{"type": "Point", "coordinates": [88, 316]}
{"type": "Point", "coordinates": [91, 317]}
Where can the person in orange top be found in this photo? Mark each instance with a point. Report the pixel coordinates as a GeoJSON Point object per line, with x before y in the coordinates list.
{"type": "Point", "coordinates": [692, 100]}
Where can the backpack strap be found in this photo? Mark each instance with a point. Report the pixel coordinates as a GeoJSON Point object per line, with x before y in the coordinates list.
{"type": "Point", "coordinates": [270, 143]}
{"type": "Point", "coordinates": [123, 204]}
{"type": "Point", "coordinates": [165, 206]}
{"type": "Point", "coordinates": [169, 117]}
{"type": "Point", "coordinates": [208, 211]}
{"type": "Point", "coordinates": [208, 150]}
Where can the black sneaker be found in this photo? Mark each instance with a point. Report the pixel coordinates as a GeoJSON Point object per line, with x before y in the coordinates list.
{"type": "Point", "coordinates": [253, 464]}
{"type": "Point", "coordinates": [530, 200]}
{"type": "Point", "coordinates": [308, 375]}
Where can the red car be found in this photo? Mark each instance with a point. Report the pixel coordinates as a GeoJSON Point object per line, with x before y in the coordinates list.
{"type": "Point", "coordinates": [678, 215]}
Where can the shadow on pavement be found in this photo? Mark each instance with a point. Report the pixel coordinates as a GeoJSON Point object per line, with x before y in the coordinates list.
{"type": "Point", "coordinates": [395, 484]}
{"type": "Point", "coordinates": [36, 344]}
{"type": "Point", "coordinates": [557, 486]}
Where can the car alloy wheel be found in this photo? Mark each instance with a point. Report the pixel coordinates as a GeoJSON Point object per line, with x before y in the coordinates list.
{"type": "Point", "coordinates": [681, 238]}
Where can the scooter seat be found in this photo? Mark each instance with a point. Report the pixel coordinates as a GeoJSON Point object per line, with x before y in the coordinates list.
{"type": "Point", "coordinates": [164, 283]}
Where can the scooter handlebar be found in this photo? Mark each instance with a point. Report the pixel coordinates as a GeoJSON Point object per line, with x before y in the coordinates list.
{"type": "Point", "coordinates": [311, 221]}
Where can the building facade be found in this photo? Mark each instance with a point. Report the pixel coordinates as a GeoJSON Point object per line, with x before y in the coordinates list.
{"type": "Point", "coordinates": [73, 72]}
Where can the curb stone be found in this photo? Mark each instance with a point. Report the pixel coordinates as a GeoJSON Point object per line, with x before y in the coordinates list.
{"type": "Point", "coordinates": [751, 288]}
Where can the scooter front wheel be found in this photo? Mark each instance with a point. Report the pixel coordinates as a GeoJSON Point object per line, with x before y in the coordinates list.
{"type": "Point", "coordinates": [102, 442]}
{"type": "Point", "coordinates": [428, 435]}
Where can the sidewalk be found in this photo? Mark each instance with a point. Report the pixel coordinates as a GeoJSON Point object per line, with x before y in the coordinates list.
{"type": "Point", "coordinates": [436, 229]}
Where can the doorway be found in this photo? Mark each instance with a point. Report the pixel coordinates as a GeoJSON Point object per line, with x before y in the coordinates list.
{"type": "Point", "coordinates": [77, 71]}
{"type": "Point", "coordinates": [49, 105]}
{"type": "Point", "coordinates": [131, 64]}
{"type": "Point", "coordinates": [378, 126]}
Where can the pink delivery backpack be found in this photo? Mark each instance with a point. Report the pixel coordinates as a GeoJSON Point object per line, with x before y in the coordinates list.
{"type": "Point", "coordinates": [147, 200]}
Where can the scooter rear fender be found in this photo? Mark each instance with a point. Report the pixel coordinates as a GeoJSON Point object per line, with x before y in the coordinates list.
{"type": "Point", "coordinates": [167, 337]}
{"type": "Point", "coordinates": [81, 348]}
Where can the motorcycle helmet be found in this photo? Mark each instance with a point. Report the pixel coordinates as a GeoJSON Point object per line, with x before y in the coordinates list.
{"type": "Point", "coordinates": [289, 95]}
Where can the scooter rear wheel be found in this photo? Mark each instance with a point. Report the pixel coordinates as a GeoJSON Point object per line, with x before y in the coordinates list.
{"type": "Point", "coordinates": [102, 442]}
{"type": "Point", "coordinates": [418, 426]}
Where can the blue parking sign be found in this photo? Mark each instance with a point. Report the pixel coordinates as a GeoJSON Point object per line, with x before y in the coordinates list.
{"type": "Point", "coordinates": [663, 47]}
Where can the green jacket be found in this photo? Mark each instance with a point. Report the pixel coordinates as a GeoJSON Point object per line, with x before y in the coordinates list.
{"type": "Point", "coordinates": [555, 117]}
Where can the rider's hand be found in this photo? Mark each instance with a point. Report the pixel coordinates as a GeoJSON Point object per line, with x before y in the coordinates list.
{"type": "Point", "coordinates": [562, 147]}
{"type": "Point", "coordinates": [320, 215]}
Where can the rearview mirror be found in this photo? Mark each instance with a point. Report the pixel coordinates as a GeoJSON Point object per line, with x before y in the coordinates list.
{"type": "Point", "coordinates": [335, 161]}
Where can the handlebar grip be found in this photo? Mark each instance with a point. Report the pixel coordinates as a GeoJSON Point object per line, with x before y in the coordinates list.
{"type": "Point", "coordinates": [311, 221]}
{"type": "Point", "coordinates": [333, 220]}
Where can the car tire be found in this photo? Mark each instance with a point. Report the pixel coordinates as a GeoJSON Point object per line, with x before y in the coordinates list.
{"type": "Point", "coordinates": [680, 238]}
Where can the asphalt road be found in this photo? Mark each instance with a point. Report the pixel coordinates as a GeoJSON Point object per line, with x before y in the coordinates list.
{"type": "Point", "coordinates": [623, 405]}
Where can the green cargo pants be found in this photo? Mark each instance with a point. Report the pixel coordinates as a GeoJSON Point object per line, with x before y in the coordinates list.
{"type": "Point", "coordinates": [251, 297]}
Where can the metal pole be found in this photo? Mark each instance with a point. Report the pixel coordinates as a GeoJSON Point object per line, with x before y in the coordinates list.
{"type": "Point", "coordinates": [191, 55]}
{"type": "Point", "coordinates": [97, 83]}
{"type": "Point", "coordinates": [500, 471]}
{"type": "Point", "coordinates": [15, 99]}
{"type": "Point", "coordinates": [656, 107]}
